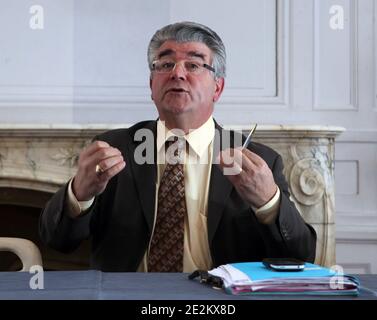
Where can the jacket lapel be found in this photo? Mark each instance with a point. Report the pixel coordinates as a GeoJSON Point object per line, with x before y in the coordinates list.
{"type": "Point", "coordinates": [220, 187]}
{"type": "Point", "coordinates": [146, 173]}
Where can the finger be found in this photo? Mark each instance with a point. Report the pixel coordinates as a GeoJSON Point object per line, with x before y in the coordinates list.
{"type": "Point", "coordinates": [110, 162]}
{"type": "Point", "coordinates": [230, 162]}
{"type": "Point", "coordinates": [114, 170]}
{"type": "Point", "coordinates": [103, 154]}
{"type": "Point", "coordinates": [248, 166]}
{"type": "Point", "coordinates": [253, 157]}
{"type": "Point", "coordinates": [94, 147]}
{"type": "Point", "coordinates": [243, 163]}
{"type": "Point", "coordinates": [226, 157]}
{"type": "Point", "coordinates": [236, 156]}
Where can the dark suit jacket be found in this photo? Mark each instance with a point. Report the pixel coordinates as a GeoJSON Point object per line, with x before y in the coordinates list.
{"type": "Point", "coordinates": [121, 219]}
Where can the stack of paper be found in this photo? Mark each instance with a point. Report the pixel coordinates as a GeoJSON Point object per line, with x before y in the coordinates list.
{"type": "Point", "coordinates": [255, 278]}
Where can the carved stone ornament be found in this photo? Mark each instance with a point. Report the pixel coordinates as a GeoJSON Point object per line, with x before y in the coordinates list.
{"type": "Point", "coordinates": [68, 156]}
{"type": "Point", "coordinates": [307, 182]}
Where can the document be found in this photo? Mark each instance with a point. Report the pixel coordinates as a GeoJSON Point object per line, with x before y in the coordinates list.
{"type": "Point", "coordinates": [254, 278]}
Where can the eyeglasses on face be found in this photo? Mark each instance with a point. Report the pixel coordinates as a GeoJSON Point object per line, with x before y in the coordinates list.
{"type": "Point", "coordinates": [192, 67]}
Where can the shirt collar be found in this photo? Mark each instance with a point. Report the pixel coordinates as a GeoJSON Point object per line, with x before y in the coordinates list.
{"type": "Point", "coordinates": [198, 139]}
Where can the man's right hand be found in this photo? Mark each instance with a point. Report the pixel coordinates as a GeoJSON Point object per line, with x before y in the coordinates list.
{"type": "Point", "coordinates": [87, 183]}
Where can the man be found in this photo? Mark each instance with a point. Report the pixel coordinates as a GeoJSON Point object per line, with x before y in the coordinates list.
{"type": "Point", "coordinates": [181, 215]}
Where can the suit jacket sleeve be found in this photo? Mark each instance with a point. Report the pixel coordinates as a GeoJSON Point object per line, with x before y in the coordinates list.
{"type": "Point", "coordinates": [289, 234]}
{"type": "Point", "coordinates": [57, 229]}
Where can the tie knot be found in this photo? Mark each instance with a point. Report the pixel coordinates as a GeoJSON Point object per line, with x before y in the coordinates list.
{"type": "Point", "coordinates": [175, 149]}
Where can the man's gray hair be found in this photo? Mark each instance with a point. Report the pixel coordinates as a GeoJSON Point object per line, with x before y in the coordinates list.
{"type": "Point", "coordinates": [190, 32]}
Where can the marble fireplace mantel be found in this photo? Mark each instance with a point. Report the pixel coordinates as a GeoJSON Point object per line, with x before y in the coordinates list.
{"type": "Point", "coordinates": [43, 157]}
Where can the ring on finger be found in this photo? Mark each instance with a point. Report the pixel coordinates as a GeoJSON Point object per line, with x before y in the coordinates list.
{"type": "Point", "coordinates": [99, 170]}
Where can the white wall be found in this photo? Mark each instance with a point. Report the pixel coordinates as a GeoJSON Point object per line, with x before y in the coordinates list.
{"type": "Point", "coordinates": [285, 65]}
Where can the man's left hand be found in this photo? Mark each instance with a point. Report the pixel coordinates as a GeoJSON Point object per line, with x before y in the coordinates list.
{"type": "Point", "coordinates": [249, 174]}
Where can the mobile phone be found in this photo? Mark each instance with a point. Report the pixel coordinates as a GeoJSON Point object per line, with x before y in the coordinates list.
{"type": "Point", "coordinates": [284, 264]}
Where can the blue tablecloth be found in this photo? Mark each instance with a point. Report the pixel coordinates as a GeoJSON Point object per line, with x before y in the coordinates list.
{"type": "Point", "coordinates": [137, 286]}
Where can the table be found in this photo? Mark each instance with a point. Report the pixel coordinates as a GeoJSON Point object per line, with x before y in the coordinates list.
{"type": "Point", "coordinates": [97, 285]}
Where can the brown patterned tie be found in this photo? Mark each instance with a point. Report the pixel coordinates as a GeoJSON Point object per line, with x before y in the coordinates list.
{"type": "Point", "coordinates": [166, 250]}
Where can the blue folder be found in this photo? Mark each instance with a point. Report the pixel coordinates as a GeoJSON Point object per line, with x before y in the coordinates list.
{"type": "Point", "coordinates": [313, 280]}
